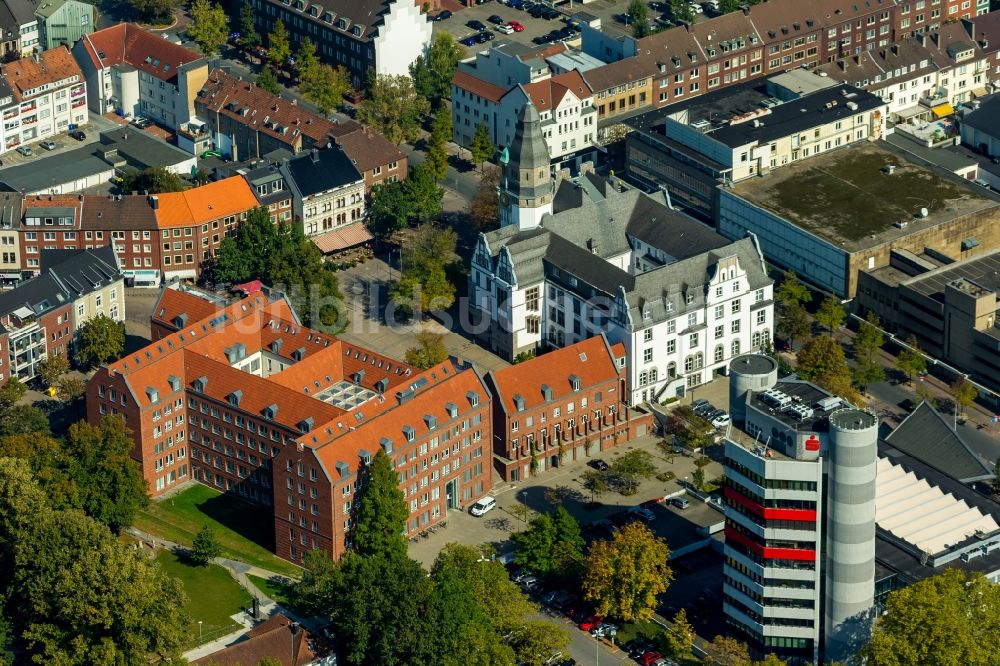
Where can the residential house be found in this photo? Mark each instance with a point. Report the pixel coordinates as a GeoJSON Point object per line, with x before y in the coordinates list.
{"type": "Point", "coordinates": [328, 191]}
{"type": "Point", "coordinates": [39, 97]}
{"type": "Point", "coordinates": [378, 159]}
{"type": "Point", "coordinates": [273, 193]}
{"type": "Point", "coordinates": [49, 222]}
{"type": "Point", "coordinates": [276, 638]}
{"type": "Point", "coordinates": [193, 223]}
{"type": "Point", "coordinates": [135, 72]}
{"type": "Point", "coordinates": [128, 224]}
{"type": "Point", "coordinates": [565, 405]}
{"type": "Point", "coordinates": [64, 22]}
{"type": "Point", "coordinates": [10, 34]}
{"type": "Point", "coordinates": [249, 401]}
{"type": "Point", "coordinates": [10, 222]}
{"type": "Point", "coordinates": [383, 36]}
{"type": "Point", "coordinates": [24, 24]}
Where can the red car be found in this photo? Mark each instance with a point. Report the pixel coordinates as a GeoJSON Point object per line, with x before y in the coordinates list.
{"type": "Point", "coordinates": [516, 26]}
{"type": "Point", "coordinates": [649, 658]}
{"type": "Point", "coordinates": [591, 622]}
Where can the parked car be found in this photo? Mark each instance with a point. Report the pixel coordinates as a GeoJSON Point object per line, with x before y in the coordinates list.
{"type": "Point", "coordinates": [48, 145]}
{"type": "Point", "coordinates": [443, 16]}
{"type": "Point", "coordinates": [496, 20]}
{"type": "Point", "coordinates": [599, 465]}
{"type": "Point", "coordinates": [720, 420]}
{"type": "Point", "coordinates": [700, 403]}
{"type": "Point", "coordinates": [517, 26]}
{"type": "Point", "coordinates": [680, 502]}
{"type": "Point", "coordinates": [476, 25]}
{"type": "Point", "coordinates": [703, 408]}
{"type": "Point", "coordinates": [505, 29]}
{"type": "Point", "coordinates": [25, 150]}
{"type": "Point", "coordinates": [590, 622]}
{"type": "Point", "coordinates": [604, 630]}
{"type": "Point", "coordinates": [529, 582]}
{"type": "Point", "coordinates": [482, 506]}
{"type": "Point", "coordinates": [485, 36]}
{"type": "Point", "coordinates": [79, 135]}
{"type": "Point", "coordinates": [642, 512]}
{"type": "Point", "coordinates": [468, 41]}
{"type": "Point", "coordinates": [649, 658]}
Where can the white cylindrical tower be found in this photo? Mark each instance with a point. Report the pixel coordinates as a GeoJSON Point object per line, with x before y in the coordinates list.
{"type": "Point", "coordinates": [749, 372]}
{"type": "Point", "coordinates": [850, 534]}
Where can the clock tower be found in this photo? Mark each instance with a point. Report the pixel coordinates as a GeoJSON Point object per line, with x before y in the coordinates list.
{"type": "Point", "coordinates": [526, 186]}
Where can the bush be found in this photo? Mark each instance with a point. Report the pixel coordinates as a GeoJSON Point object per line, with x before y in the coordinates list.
{"type": "Point", "coordinates": [666, 476]}
{"type": "Point", "coordinates": [670, 400]}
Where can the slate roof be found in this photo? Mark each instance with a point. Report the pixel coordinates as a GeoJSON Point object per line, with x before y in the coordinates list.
{"type": "Point", "coordinates": [322, 170]}
{"type": "Point", "coordinates": [528, 150]}
{"type": "Point", "coordinates": [986, 118]}
{"type": "Point", "coordinates": [927, 436]}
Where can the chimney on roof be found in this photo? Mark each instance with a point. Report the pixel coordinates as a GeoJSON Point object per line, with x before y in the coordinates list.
{"type": "Point", "coordinates": [843, 64]}
{"type": "Point", "coordinates": [294, 102]}
{"type": "Point", "coordinates": [314, 155]}
{"type": "Point", "coordinates": [895, 49]}
{"type": "Point", "coordinates": [154, 202]}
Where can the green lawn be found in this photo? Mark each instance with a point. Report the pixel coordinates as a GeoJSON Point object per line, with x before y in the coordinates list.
{"type": "Point", "coordinates": [272, 588]}
{"type": "Point", "coordinates": [245, 532]}
{"type": "Point", "coordinates": [213, 596]}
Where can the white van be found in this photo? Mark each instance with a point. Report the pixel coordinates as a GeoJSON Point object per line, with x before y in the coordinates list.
{"type": "Point", "coordinates": [482, 506]}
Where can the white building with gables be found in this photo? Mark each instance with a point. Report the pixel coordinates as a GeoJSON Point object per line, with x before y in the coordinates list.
{"type": "Point", "coordinates": [591, 256]}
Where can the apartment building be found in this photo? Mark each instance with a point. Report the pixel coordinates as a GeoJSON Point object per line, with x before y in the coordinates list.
{"type": "Point", "coordinates": [41, 315]}
{"type": "Point", "coordinates": [595, 256]}
{"type": "Point", "coordinates": [328, 191]}
{"type": "Point", "coordinates": [128, 224]}
{"type": "Point", "coordinates": [566, 405]}
{"type": "Point", "coordinates": [10, 222]}
{"type": "Point", "coordinates": [378, 159]}
{"type": "Point", "coordinates": [193, 223]}
{"type": "Point", "coordinates": [40, 96]}
{"type": "Point", "coordinates": [48, 223]}
{"type": "Point", "coordinates": [384, 36]}
{"type": "Point", "coordinates": [20, 25]}
{"type": "Point", "coordinates": [272, 192]}
{"type": "Point", "coordinates": [134, 72]}
{"type": "Point", "coordinates": [64, 22]}
{"type": "Point", "coordinates": [247, 400]}
{"type": "Point", "coordinates": [750, 130]}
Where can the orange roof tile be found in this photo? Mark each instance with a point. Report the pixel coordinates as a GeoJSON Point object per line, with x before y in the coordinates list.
{"type": "Point", "coordinates": [477, 86]}
{"type": "Point", "coordinates": [26, 74]}
{"type": "Point", "coordinates": [174, 302]}
{"type": "Point", "coordinates": [229, 196]}
{"type": "Point", "coordinates": [591, 360]}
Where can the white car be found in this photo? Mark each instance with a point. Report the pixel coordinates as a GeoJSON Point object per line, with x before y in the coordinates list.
{"type": "Point", "coordinates": [482, 506]}
{"type": "Point", "coordinates": [505, 29]}
{"type": "Point", "coordinates": [721, 421]}
{"type": "Point", "coordinates": [697, 9]}
{"type": "Point", "coordinates": [643, 513]}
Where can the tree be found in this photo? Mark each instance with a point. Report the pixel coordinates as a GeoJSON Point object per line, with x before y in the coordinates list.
{"type": "Point", "coordinates": [306, 62]}
{"type": "Point", "coordinates": [681, 635]}
{"type": "Point", "coordinates": [534, 546]}
{"type": "Point", "coordinates": [432, 72]}
{"type": "Point", "coordinates": [424, 280]}
{"type": "Point", "coordinates": [12, 390]}
{"type": "Point", "coordinates": [154, 180]}
{"type": "Point", "coordinates": [869, 338]}
{"type": "Point", "coordinates": [248, 254]}
{"type": "Point", "coordinates": [793, 323]}
{"type": "Point", "coordinates": [481, 146]}
{"type": "Point", "coordinates": [22, 420]}
{"type": "Point", "coordinates": [209, 26]}
{"type": "Point", "coordinates": [831, 313]}
{"type": "Point", "coordinates": [791, 291]}
{"type": "Point", "coordinates": [266, 80]}
{"type": "Point", "coordinates": [639, 16]}
{"type": "Point", "coordinates": [725, 651]}
{"type": "Point", "coordinates": [595, 482]}
{"type": "Point", "coordinates": [624, 576]}
{"type": "Point", "coordinates": [326, 87]}
{"type": "Point", "coordinates": [279, 50]}
{"type": "Point", "coordinates": [698, 478]}
{"type": "Point", "coordinates": [437, 144]}
{"type": "Point", "coordinates": [537, 640]}
{"type": "Point", "coordinates": [316, 590]}
{"type": "Point", "coordinates": [110, 483]}
{"type": "Point", "coordinates": [727, 6]}
{"type": "Point", "coordinates": [394, 108]}
{"type": "Point", "coordinates": [71, 388]}
{"type": "Point", "coordinates": [910, 359]}
{"type": "Point", "coordinates": [484, 208]}
{"type": "Point", "coordinates": [821, 360]}
{"type": "Point", "coordinates": [380, 519]}
{"type": "Point", "coordinates": [429, 351]}
{"type": "Point", "coordinates": [423, 192]}
{"type": "Point", "coordinates": [389, 210]}
{"type": "Point", "coordinates": [153, 11]}
{"type": "Point", "coordinates": [952, 618]}
{"type": "Point", "coordinates": [249, 37]}
{"type": "Point", "coordinates": [206, 546]}
{"type": "Point", "coordinates": [868, 372]}
{"type": "Point", "coordinates": [963, 392]}
{"type": "Point", "coordinates": [99, 340]}
{"type": "Point", "coordinates": [52, 368]}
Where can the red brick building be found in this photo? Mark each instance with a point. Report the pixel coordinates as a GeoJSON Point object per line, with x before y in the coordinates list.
{"type": "Point", "coordinates": [247, 400]}
{"type": "Point", "coordinates": [567, 404]}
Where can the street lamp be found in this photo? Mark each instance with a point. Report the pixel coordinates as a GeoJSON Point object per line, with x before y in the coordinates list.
{"type": "Point", "coordinates": [199, 629]}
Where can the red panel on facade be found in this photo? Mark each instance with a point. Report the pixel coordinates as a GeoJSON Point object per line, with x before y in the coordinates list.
{"type": "Point", "coordinates": [803, 515]}
{"type": "Point", "coordinates": [807, 555]}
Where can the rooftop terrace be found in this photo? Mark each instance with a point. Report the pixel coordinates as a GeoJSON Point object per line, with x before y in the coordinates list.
{"type": "Point", "coordinates": [848, 197]}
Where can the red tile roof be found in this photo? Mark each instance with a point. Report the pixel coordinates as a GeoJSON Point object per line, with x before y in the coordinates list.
{"type": "Point", "coordinates": [173, 302]}
{"type": "Point", "coordinates": [26, 74]}
{"type": "Point", "coordinates": [477, 86]}
{"type": "Point", "coordinates": [146, 51]}
{"type": "Point", "coordinates": [222, 198]}
{"type": "Point", "coordinates": [366, 147]}
{"type": "Point", "coordinates": [591, 360]}
{"type": "Point", "coordinates": [547, 94]}
{"type": "Point", "coordinates": [278, 638]}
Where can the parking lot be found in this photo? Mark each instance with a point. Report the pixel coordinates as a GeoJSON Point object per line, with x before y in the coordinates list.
{"type": "Point", "coordinates": [64, 143]}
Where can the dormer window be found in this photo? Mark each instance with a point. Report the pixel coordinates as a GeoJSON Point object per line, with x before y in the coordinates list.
{"type": "Point", "coordinates": [431, 421]}
{"type": "Point", "coordinates": [574, 382]}
{"type": "Point", "coordinates": [519, 402]}
{"type": "Point", "coordinates": [473, 398]}
{"type": "Point", "coordinates": [235, 397]}
{"type": "Point", "coordinates": [386, 444]}
{"type": "Point", "coordinates": [200, 383]}
{"type": "Point", "coordinates": [270, 411]}
{"type": "Point", "coordinates": [547, 392]}
{"type": "Point", "coordinates": [365, 456]}
{"type": "Point", "coordinates": [409, 433]}
{"type": "Point", "coordinates": [306, 424]}
{"type": "Point", "coordinates": [153, 394]}
{"type": "Point", "coordinates": [452, 409]}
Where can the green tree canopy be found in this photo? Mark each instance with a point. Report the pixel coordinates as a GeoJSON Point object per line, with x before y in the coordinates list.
{"type": "Point", "coordinates": [869, 338]}
{"type": "Point", "coordinates": [326, 87]}
{"type": "Point", "coordinates": [153, 11]}
{"type": "Point", "coordinates": [638, 14]}
{"type": "Point", "coordinates": [394, 107]}
{"type": "Point", "coordinates": [433, 71]}
{"type": "Point", "coordinates": [429, 350]}
{"type": "Point", "coordinates": [206, 546]}
{"type": "Point", "coordinates": [306, 62]}
{"type": "Point", "coordinates": [793, 322]}
{"type": "Point", "coordinates": [381, 515]}
{"type": "Point", "coordinates": [821, 360]}
{"type": "Point", "coordinates": [52, 368]}
{"type": "Point", "coordinates": [266, 80]}
{"type": "Point", "coordinates": [249, 254]}
{"type": "Point", "coordinates": [437, 144]}
{"type": "Point", "coordinates": [99, 340]}
{"type": "Point", "coordinates": [831, 313]}
{"type": "Point", "coordinates": [249, 37]}
{"type": "Point", "coordinates": [11, 391]}
{"type": "Point", "coordinates": [279, 49]}
{"type": "Point", "coordinates": [791, 291]}
{"type": "Point", "coordinates": [726, 651]}
{"type": "Point", "coordinates": [481, 146]}
{"type": "Point", "coordinates": [910, 359]}
{"type": "Point", "coordinates": [389, 210]}
{"type": "Point", "coordinates": [624, 576]}
{"type": "Point", "coordinates": [22, 420]}
{"type": "Point", "coordinates": [423, 192]}
{"type": "Point", "coordinates": [154, 180]}
{"type": "Point", "coordinates": [963, 392]}
{"type": "Point", "coordinates": [952, 619]}
{"type": "Point", "coordinates": [209, 26]}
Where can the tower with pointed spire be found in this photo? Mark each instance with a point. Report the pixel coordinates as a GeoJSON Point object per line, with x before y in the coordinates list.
{"type": "Point", "coordinates": [526, 187]}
